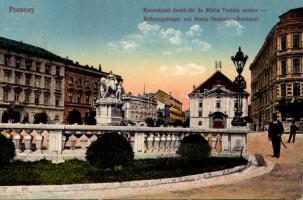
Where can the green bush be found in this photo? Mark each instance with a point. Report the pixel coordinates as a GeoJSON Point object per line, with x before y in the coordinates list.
{"type": "Point", "coordinates": [7, 150]}
{"type": "Point", "coordinates": [193, 148]}
{"type": "Point", "coordinates": [109, 150]}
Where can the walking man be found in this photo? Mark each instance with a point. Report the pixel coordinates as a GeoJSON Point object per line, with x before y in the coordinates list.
{"type": "Point", "coordinates": [293, 131]}
{"type": "Point", "coordinates": [275, 132]}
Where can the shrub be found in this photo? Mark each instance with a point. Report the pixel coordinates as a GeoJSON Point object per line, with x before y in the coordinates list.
{"type": "Point", "coordinates": [7, 150]}
{"type": "Point", "coordinates": [109, 150]}
{"type": "Point", "coordinates": [193, 148]}
{"type": "Point", "coordinates": [260, 160]}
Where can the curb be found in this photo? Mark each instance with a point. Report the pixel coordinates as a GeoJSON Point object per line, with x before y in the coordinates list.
{"type": "Point", "coordinates": [123, 189]}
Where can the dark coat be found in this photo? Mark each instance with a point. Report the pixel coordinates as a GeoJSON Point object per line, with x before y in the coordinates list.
{"type": "Point", "coordinates": [293, 128]}
{"type": "Point", "coordinates": [275, 130]}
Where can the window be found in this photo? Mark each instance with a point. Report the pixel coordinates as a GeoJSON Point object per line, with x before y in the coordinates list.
{"type": "Point", "coordinates": [200, 123]}
{"type": "Point", "coordinates": [95, 85]}
{"type": "Point", "coordinates": [283, 89]}
{"type": "Point", "coordinates": [27, 95]}
{"type": "Point", "coordinates": [218, 104]}
{"type": "Point", "coordinates": [18, 61]}
{"type": "Point", "coordinates": [46, 99]}
{"type": "Point", "coordinates": [79, 98]}
{"type": "Point", "coordinates": [5, 94]}
{"type": "Point", "coordinates": [7, 59]}
{"type": "Point", "coordinates": [296, 88]}
{"type": "Point", "coordinates": [17, 77]}
{"type": "Point", "coordinates": [7, 75]}
{"type": "Point", "coordinates": [296, 40]}
{"type": "Point", "coordinates": [200, 105]}
{"type": "Point", "coordinates": [28, 64]}
{"type": "Point", "coordinates": [87, 99]}
{"type": "Point", "coordinates": [87, 84]}
{"type": "Point", "coordinates": [71, 81]}
{"type": "Point", "coordinates": [37, 98]}
{"type": "Point", "coordinates": [57, 70]}
{"type": "Point", "coordinates": [17, 94]}
{"type": "Point", "coordinates": [47, 83]}
{"type": "Point", "coordinates": [296, 65]}
{"type": "Point", "coordinates": [283, 42]}
{"type": "Point", "coordinates": [57, 102]}
{"type": "Point", "coordinates": [38, 67]}
{"type": "Point", "coordinates": [79, 82]}
{"type": "Point", "coordinates": [58, 85]}
{"type": "Point", "coordinates": [47, 69]}
{"type": "Point", "coordinates": [37, 81]}
{"type": "Point", "coordinates": [200, 113]}
{"type": "Point", "coordinates": [283, 68]}
{"type": "Point", "coordinates": [27, 79]}
{"type": "Point", "coordinates": [70, 97]}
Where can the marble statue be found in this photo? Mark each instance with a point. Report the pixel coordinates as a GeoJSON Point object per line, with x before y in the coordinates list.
{"type": "Point", "coordinates": [110, 87]}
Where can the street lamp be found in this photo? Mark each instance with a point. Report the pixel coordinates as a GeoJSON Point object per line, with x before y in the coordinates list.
{"type": "Point", "coordinates": [239, 85]}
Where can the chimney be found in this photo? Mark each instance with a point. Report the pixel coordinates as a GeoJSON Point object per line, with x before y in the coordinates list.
{"type": "Point", "coordinates": [194, 87]}
{"type": "Point", "coordinates": [100, 69]}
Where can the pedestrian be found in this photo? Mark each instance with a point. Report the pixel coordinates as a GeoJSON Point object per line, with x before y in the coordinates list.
{"type": "Point", "coordinates": [293, 131]}
{"type": "Point", "coordinates": [275, 132]}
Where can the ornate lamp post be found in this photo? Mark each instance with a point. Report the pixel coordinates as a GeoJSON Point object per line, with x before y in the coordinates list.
{"type": "Point", "coordinates": [239, 84]}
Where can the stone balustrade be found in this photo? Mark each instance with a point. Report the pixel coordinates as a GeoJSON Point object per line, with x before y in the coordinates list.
{"type": "Point", "coordinates": [62, 142]}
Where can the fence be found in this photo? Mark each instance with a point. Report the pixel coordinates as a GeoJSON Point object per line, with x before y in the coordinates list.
{"type": "Point", "coordinates": [63, 142]}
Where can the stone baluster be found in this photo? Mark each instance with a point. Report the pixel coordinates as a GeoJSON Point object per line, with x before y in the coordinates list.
{"type": "Point", "coordinates": [149, 142]}
{"type": "Point", "coordinates": [93, 138]}
{"type": "Point", "coordinates": [88, 135]}
{"type": "Point", "coordinates": [45, 142]}
{"type": "Point", "coordinates": [178, 140]}
{"type": "Point", "coordinates": [131, 139]}
{"type": "Point", "coordinates": [78, 142]}
{"type": "Point", "coordinates": [156, 142]}
{"type": "Point", "coordinates": [17, 140]}
{"type": "Point", "coordinates": [213, 144]}
{"type": "Point", "coordinates": [162, 142]}
{"type": "Point", "coordinates": [172, 143]}
{"type": "Point", "coordinates": [63, 141]}
{"type": "Point", "coordinates": [38, 141]}
{"type": "Point", "coordinates": [72, 140]}
{"type": "Point", "coordinates": [168, 141]}
{"type": "Point", "coordinates": [26, 141]}
{"type": "Point", "coordinates": [83, 141]}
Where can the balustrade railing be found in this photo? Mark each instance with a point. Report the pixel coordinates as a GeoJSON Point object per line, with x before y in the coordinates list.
{"type": "Point", "coordinates": [62, 142]}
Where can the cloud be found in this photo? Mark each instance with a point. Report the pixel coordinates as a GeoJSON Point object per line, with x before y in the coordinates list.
{"type": "Point", "coordinates": [195, 30]}
{"type": "Point", "coordinates": [173, 36]}
{"type": "Point", "coordinates": [188, 69]}
{"type": "Point", "coordinates": [230, 28]}
{"type": "Point", "coordinates": [145, 27]}
{"type": "Point", "coordinates": [169, 41]}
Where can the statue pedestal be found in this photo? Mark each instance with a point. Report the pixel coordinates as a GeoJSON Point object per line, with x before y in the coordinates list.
{"type": "Point", "coordinates": [109, 111]}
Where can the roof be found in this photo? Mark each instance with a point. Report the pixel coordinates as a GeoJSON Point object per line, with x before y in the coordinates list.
{"type": "Point", "coordinates": [218, 78]}
{"type": "Point", "coordinates": [164, 96]}
{"type": "Point", "coordinates": [295, 10]}
{"type": "Point", "coordinates": [29, 49]}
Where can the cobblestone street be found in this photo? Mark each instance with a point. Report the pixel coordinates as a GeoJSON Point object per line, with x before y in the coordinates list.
{"type": "Point", "coordinates": [284, 182]}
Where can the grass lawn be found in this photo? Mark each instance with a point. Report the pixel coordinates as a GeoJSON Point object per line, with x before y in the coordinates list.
{"type": "Point", "coordinates": [75, 171]}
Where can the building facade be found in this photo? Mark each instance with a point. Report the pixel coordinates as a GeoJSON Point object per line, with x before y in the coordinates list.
{"type": "Point", "coordinates": [32, 81]}
{"type": "Point", "coordinates": [82, 85]}
{"type": "Point", "coordinates": [276, 71]}
{"type": "Point", "coordinates": [212, 104]}
{"type": "Point", "coordinates": [170, 107]}
{"type": "Point", "coordinates": [139, 108]}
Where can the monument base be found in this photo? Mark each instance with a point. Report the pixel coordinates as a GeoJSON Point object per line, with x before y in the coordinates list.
{"type": "Point", "coordinates": [109, 112]}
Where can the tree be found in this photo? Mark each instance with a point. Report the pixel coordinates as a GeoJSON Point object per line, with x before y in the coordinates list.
{"type": "Point", "coordinates": [10, 115]}
{"type": "Point", "coordinates": [293, 109]}
{"type": "Point", "coordinates": [40, 117]}
{"type": "Point", "coordinates": [150, 122]}
{"type": "Point", "coordinates": [74, 117]}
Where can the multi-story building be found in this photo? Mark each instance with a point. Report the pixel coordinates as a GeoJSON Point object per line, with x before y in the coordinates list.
{"type": "Point", "coordinates": [82, 84]}
{"type": "Point", "coordinates": [170, 106]}
{"type": "Point", "coordinates": [212, 104]}
{"type": "Point", "coordinates": [32, 81]}
{"type": "Point", "coordinates": [139, 108]}
{"type": "Point", "coordinates": [276, 71]}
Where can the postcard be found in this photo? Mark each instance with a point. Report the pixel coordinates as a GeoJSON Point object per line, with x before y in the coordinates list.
{"type": "Point", "coordinates": [162, 99]}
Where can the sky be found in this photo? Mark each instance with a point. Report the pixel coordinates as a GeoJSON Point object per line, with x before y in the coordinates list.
{"type": "Point", "coordinates": [172, 56]}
